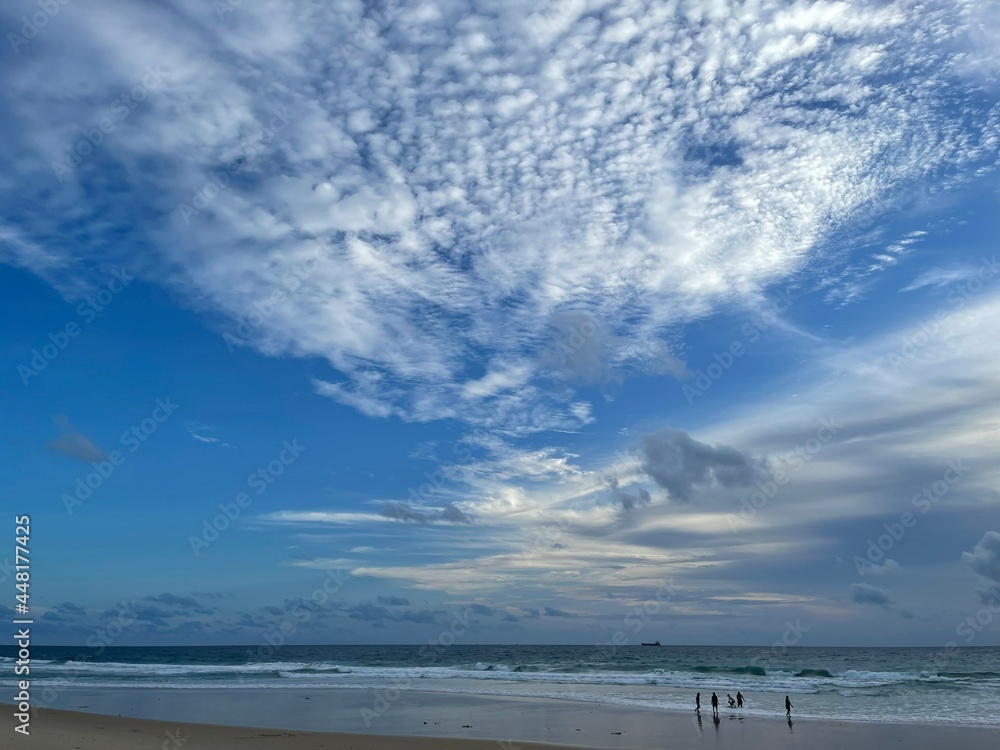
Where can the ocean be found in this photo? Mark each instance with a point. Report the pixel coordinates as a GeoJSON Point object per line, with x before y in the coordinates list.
{"type": "Point", "coordinates": [960, 686]}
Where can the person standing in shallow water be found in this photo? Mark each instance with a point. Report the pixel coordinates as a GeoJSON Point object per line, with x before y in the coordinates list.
{"type": "Point", "coordinates": [788, 707]}
{"type": "Point", "coordinates": [697, 703]}
{"type": "Point", "coordinates": [739, 699]}
{"type": "Point", "coordinates": [715, 705]}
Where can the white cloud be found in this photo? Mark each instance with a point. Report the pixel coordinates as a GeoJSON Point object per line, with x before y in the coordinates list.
{"type": "Point", "coordinates": [476, 175]}
{"type": "Point", "coordinates": [940, 277]}
{"type": "Point", "coordinates": [203, 434]}
{"type": "Point", "coordinates": [548, 521]}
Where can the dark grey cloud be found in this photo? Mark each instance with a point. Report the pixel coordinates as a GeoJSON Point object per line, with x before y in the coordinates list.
{"type": "Point", "coordinates": [628, 500]}
{"type": "Point", "coordinates": [680, 464]}
{"type": "Point", "coordinates": [368, 613]}
{"type": "Point", "coordinates": [74, 444]}
{"type": "Point", "coordinates": [863, 593]}
{"type": "Point", "coordinates": [553, 612]}
{"type": "Point", "coordinates": [172, 600]}
{"type": "Point", "coordinates": [153, 615]}
{"type": "Point", "coordinates": [530, 612]}
{"type": "Point", "coordinates": [50, 617]}
{"type": "Point", "coordinates": [66, 612]}
{"type": "Point", "coordinates": [379, 616]}
{"type": "Point", "coordinates": [393, 601]}
{"type": "Point", "coordinates": [248, 620]}
{"type": "Point", "coordinates": [508, 617]}
{"type": "Point", "coordinates": [482, 609]}
{"type": "Point", "coordinates": [414, 514]}
{"type": "Point", "coordinates": [419, 616]}
{"type": "Point", "coordinates": [985, 556]}
{"type": "Point", "coordinates": [212, 594]}
{"type": "Point", "coordinates": [184, 604]}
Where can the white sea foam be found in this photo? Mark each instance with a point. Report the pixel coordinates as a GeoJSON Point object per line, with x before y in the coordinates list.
{"type": "Point", "coordinates": [853, 694]}
{"type": "Point", "coordinates": [777, 681]}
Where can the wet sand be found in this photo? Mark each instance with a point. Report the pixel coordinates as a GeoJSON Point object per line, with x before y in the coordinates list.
{"type": "Point", "coordinates": [194, 719]}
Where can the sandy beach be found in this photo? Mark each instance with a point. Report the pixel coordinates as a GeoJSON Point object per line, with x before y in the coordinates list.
{"type": "Point", "coordinates": [67, 729]}
{"type": "Point", "coordinates": [289, 720]}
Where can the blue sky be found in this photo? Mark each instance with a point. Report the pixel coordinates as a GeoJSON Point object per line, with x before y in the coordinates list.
{"type": "Point", "coordinates": [523, 311]}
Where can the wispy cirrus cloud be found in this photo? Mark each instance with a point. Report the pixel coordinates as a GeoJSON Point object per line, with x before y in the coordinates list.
{"type": "Point", "coordinates": [204, 433]}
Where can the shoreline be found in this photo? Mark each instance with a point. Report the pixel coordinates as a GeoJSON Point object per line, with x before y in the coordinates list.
{"type": "Point", "coordinates": [477, 721]}
{"type": "Point", "coordinates": [55, 729]}
{"type": "Point", "coordinates": [577, 696]}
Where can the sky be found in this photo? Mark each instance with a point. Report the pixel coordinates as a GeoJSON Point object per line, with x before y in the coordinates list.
{"type": "Point", "coordinates": [541, 315]}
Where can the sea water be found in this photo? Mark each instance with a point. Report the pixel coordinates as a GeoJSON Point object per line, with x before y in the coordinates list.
{"type": "Point", "coordinates": [960, 685]}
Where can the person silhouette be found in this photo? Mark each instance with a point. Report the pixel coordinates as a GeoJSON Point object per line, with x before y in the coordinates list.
{"type": "Point", "coordinates": [788, 708]}
{"type": "Point", "coordinates": [697, 703]}
{"type": "Point", "coordinates": [739, 699]}
{"type": "Point", "coordinates": [715, 705]}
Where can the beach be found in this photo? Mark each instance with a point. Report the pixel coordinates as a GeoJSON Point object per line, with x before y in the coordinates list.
{"type": "Point", "coordinates": [886, 685]}
{"type": "Point", "coordinates": [415, 720]}
{"type": "Point", "coordinates": [505, 697]}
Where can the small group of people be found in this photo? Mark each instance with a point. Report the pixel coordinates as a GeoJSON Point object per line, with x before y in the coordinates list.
{"type": "Point", "coordinates": [735, 703]}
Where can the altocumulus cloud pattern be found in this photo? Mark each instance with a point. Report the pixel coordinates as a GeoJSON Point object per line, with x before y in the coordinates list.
{"type": "Point", "coordinates": [473, 170]}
